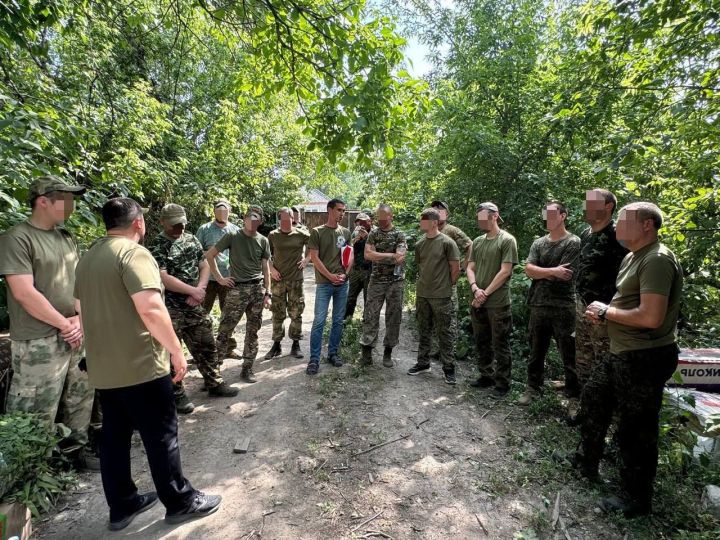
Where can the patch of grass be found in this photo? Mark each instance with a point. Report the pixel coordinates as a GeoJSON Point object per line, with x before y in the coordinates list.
{"type": "Point", "coordinates": [313, 447]}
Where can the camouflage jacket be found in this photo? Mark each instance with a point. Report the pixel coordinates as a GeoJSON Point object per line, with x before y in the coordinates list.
{"type": "Point", "coordinates": [462, 240]}
{"type": "Point", "coordinates": [599, 263]}
{"type": "Point", "coordinates": [386, 242]}
{"type": "Point", "coordinates": [179, 258]}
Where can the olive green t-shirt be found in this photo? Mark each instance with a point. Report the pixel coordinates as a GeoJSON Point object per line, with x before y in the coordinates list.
{"type": "Point", "coordinates": [119, 349]}
{"type": "Point", "coordinates": [652, 269]}
{"type": "Point", "coordinates": [432, 256]}
{"type": "Point", "coordinates": [462, 240]}
{"type": "Point", "coordinates": [50, 257]}
{"type": "Point", "coordinates": [287, 252]}
{"type": "Point", "coordinates": [246, 254]}
{"type": "Point", "coordinates": [488, 254]}
{"type": "Point", "coordinates": [328, 242]}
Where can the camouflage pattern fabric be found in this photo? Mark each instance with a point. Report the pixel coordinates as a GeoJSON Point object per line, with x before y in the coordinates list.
{"type": "Point", "coordinates": [389, 293]}
{"type": "Point", "coordinates": [288, 300]}
{"type": "Point", "coordinates": [386, 242]}
{"type": "Point", "coordinates": [453, 323]}
{"type": "Point", "coordinates": [47, 381]}
{"type": "Point", "coordinates": [434, 315]}
{"type": "Point", "coordinates": [462, 240]}
{"type": "Point", "coordinates": [546, 323]}
{"type": "Point", "coordinates": [592, 343]}
{"type": "Point", "coordinates": [193, 326]}
{"type": "Point", "coordinates": [358, 279]}
{"type": "Point", "coordinates": [244, 298]}
{"type": "Point", "coordinates": [630, 385]}
{"type": "Point", "coordinates": [216, 291]}
{"type": "Point", "coordinates": [491, 329]}
{"type": "Point", "coordinates": [179, 258]}
{"type": "Point", "coordinates": [598, 264]}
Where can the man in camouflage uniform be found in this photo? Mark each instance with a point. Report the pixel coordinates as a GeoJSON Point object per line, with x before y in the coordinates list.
{"type": "Point", "coordinates": [359, 278]}
{"type": "Point", "coordinates": [385, 248]}
{"type": "Point", "coordinates": [551, 265]}
{"type": "Point", "coordinates": [38, 261]}
{"type": "Point", "coordinates": [184, 273]}
{"type": "Point", "coordinates": [286, 271]}
{"type": "Point", "coordinates": [598, 265]}
{"type": "Point", "coordinates": [250, 286]}
{"type": "Point", "coordinates": [463, 243]}
{"type": "Point", "coordinates": [208, 234]}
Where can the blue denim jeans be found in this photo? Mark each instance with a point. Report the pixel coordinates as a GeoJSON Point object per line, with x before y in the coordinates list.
{"type": "Point", "coordinates": [324, 292]}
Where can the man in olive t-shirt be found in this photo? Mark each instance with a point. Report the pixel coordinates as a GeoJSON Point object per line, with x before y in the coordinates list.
{"type": "Point", "coordinates": [438, 260]}
{"type": "Point", "coordinates": [128, 331]}
{"type": "Point", "coordinates": [287, 244]}
{"type": "Point", "coordinates": [628, 383]}
{"type": "Point", "coordinates": [326, 245]}
{"type": "Point", "coordinates": [250, 283]}
{"type": "Point", "coordinates": [492, 257]}
{"type": "Point", "coordinates": [38, 259]}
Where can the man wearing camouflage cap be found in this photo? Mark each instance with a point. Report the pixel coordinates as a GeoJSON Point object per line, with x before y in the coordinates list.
{"type": "Point", "coordinates": [184, 273]}
{"type": "Point", "coordinates": [359, 277]}
{"type": "Point", "coordinates": [250, 286]}
{"type": "Point", "coordinates": [38, 262]}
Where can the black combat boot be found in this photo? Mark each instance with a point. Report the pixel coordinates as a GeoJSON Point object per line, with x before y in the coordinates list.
{"type": "Point", "coordinates": [247, 375]}
{"type": "Point", "coordinates": [387, 357]}
{"type": "Point", "coordinates": [366, 359]}
{"type": "Point", "coordinates": [274, 351]}
{"type": "Point", "coordinates": [295, 351]}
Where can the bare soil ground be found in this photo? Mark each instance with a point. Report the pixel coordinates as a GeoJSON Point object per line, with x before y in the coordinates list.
{"type": "Point", "coordinates": [457, 462]}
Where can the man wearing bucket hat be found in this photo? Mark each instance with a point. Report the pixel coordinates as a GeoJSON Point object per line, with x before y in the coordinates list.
{"type": "Point", "coordinates": [184, 273]}
{"type": "Point", "coordinates": [38, 262]}
{"type": "Point", "coordinates": [249, 281]}
{"type": "Point", "coordinates": [209, 234]}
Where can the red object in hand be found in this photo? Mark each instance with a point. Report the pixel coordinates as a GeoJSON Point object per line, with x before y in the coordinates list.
{"type": "Point", "coordinates": [345, 253]}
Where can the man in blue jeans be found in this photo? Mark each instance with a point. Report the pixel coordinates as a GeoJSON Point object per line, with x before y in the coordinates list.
{"type": "Point", "coordinates": [326, 249]}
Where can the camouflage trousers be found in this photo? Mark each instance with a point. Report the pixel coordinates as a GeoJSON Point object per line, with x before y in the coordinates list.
{"type": "Point", "coordinates": [47, 381]}
{"type": "Point", "coordinates": [592, 343]}
{"type": "Point", "coordinates": [288, 300]}
{"type": "Point", "coordinates": [546, 323]}
{"type": "Point", "coordinates": [435, 350]}
{"type": "Point", "coordinates": [216, 291]}
{"type": "Point", "coordinates": [359, 279]}
{"type": "Point", "coordinates": [247, 299]}
{"type": "Point", "coordinates": [491, 329]}
{"type": "Point", "coordinates": [379, 293]}
{"type": "Point", "coordinates": [435, 315]}
{"type": "Point", "coordinates": [630, 385]}
{"type": "Point", "coordinates": [193, 326]}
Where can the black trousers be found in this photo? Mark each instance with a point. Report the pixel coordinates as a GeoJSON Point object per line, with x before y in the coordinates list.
{"type": "Point", "coordinates": [149, 408]}
{"type": "Point", "coordinates": [546, 323]}
{"type": "Point", "coordinates": [630, 385]}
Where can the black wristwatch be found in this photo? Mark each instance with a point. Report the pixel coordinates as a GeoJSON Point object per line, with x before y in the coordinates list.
{"type": "Point", "coordinates": [602, 312]}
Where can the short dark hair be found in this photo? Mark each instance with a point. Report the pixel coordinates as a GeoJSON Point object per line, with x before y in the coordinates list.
{"type": "Point", "coordinates": [332, 203]}
{"type": "Point", "coordinates": [646, 210]}
{"type": "Point", "coordinates": [52, 195]}
{"type": "Point", "coordinates": [430, 213]}
{"type": "Point", "coordinates": [560, 206]}
{"type": "Point", "coordinates": [284, 210]}
{"type": "Point", "coordinates": [385, 208]}
{"type": "Point", "coordinates": [120, 212]}
{"type": "Point", "coordinates": [609, 197]}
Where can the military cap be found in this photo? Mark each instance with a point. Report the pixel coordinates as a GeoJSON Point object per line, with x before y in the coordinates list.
{"type": "Point", "coordinates": [222, 202]}
{"type": "Point", "coordinates": [47, 184]}
{"type": "Point", "coordinates": [490, 207]}
{"type": "Point", "coordinates": [173, 214]}
{"type": "Point", "coordinates": [440, 204]}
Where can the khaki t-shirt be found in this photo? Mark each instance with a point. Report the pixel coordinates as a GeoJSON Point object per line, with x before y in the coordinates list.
{"type": "Point", "coordinates": [652, 269]}
{"type": "Point", "coordinates": [329, 242]}
{"type": "Point", "coordinates": [287, 252]}
{"type": "Point", "coordinates": [432, 256]}
{"type": "Point", "coordinates": [119, 349]}
{"type": "Point", "coordinates": [50, 257]}
{"type": "Point", "coordinates": [246, 254]}
{"type": "Point", "coordinates": [488, 254]}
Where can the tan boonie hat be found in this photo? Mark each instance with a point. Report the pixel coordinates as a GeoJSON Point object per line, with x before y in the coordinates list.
{"type": "Point", "coordinates": [47, 184]}
{"type": "Point", "coordinates": [222, 202]}
{"type": "Point", "coordinates": [490, 207]}
{"type": "Point", "coordinates": [172, 214]}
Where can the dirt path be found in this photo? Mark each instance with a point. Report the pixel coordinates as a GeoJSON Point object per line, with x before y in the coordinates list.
{"type": "Point", "coordinates": [457, 471]}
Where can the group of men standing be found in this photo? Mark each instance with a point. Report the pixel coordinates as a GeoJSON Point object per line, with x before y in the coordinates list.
{"type": "Point", "coordinates": [610, 298]}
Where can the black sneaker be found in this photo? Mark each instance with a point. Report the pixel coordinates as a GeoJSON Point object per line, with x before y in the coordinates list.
{"type": "Point", "coordinates": [417, 368]}
{"type": "Point", "coordinates": [201, 506]}
{"type": "Point", "coordinates": [334, 360]}
{"type": "Point", "coordinates": [483, 382]}
{"type": "Point", "coordinates": [450, 377]}
{"type": "Point", "coordinates": [184, 405]}
{"type": "Point", "coordinates": [144, 502]}
{"type": "Point", "coordinates": [222, 390]}
{"type": "Point", "coordinates": [312, 368]}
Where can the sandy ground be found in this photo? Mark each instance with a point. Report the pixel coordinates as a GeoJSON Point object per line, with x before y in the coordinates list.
{"type": "Point", "coordinates": [454, 469]}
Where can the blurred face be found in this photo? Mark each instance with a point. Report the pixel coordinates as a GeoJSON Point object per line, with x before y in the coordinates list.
{"type": "Point", "coordinates": [337, 214]}
{"type": "Point", "coordinates": [485, 220]}
{"type": "Point", "coordinates": [552, 217]}
{"type": "Point", "coordinates": [221, 214]}
{"type": "Point", "coordinates": [252, 224]}
{"type": "Point", "coordinates": [596, 209]}
{"type": "Point", "coordinates": [384, 219]}
{"type": "Point", "coordinates": [286, 220]}
{"type": "Point", "coordinates": [60, 205]}
{"type": "Point", "coordinates": [173, 231]}
{"type": "Point", "coordinates": [629, 228]}
{"type": "Point", "coordinates": [365, 224]}
{"type": "Point", "coordinates": [426, 225]}
{"type": "Point", "coordinates": [443, 215]}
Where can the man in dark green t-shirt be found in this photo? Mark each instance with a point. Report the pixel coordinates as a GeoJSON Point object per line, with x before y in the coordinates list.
{"type": "Point", "coordinates": [551, 265]}
{"type": "Point", "coordinates": [628, 383]}
{"type": "Point", "coordinates": [492, 257]}
{"type": "Point", "coordinates": [250, 283]}
{"type": "Point", "coordinates": [438, 260]}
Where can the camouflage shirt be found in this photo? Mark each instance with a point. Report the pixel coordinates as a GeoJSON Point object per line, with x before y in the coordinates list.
{"type": "Point", "coordinates": [545, 253]}
{"type": "Point", "coordinates": [462, 240]}
{"type": "Point", "coordinates": [386, 242]}
{"type": "Point", "coordinates": [599, 263]}
{"type": "Point", "coordinates": [179, 258]}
